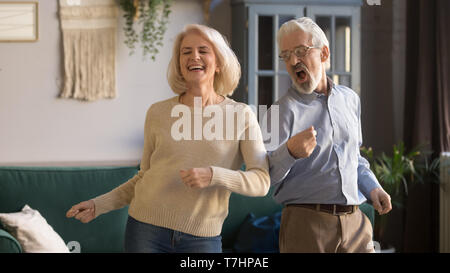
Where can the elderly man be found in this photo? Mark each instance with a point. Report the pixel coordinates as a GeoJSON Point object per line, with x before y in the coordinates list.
{"type": "Point", "coordinates": [316, 168]}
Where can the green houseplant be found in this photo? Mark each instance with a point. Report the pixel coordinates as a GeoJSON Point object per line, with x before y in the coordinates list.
{"type": "Point", "coordinates": [397, 173]}
{"type": "Point", "coordinates": [145, 22]}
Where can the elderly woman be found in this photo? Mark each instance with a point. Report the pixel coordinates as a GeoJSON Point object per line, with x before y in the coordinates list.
{"type": "Point", "coordinates": [178, 200]}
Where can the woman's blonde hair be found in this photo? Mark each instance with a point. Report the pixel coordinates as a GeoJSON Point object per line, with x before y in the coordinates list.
{"type": "Point", "coordinates": [226, 80]}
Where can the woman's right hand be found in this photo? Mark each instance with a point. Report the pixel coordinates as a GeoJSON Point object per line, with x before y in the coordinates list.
{"type": "Point", "coordinates": [84, 211]}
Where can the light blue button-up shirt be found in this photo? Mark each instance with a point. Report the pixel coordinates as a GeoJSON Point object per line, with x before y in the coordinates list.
{"type": "Point", "coordinates": [335, 172]}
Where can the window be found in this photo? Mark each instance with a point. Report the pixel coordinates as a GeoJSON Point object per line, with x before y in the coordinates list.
{"type": "Point", "coordinates": [255, 25]}
{"type": "Point", "coordinates": [340, 25]}
{"type": "Point", "coordinates": [266, 72]}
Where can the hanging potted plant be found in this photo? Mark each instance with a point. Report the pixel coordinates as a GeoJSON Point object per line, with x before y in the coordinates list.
{"type": "Point", "coordinates": [145, 22]}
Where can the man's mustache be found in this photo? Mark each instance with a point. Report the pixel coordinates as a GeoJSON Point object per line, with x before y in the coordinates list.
{"type": "Point", "coordinates": [300, 65]}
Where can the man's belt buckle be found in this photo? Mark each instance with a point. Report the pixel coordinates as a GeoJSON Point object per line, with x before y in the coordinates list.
{"type": "Point", "coordinates": [334, 210]}
{"type": "Point", "coordinates": [343, 212]}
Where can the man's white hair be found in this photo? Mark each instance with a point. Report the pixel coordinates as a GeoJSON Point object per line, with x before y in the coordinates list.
{"type": "Point", "coordinates": [319, 39]}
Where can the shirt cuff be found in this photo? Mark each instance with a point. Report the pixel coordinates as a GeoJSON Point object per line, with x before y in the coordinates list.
{"type": "Point", "coordinates": [367, 184]}
{"type": "Point", "coordinates": [283, 157]}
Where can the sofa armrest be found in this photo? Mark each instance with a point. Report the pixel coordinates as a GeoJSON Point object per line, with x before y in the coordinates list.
{"type": "Point", "coordinates": [369, 211]}
{"type": "Point", "coordinates": [8, 244]}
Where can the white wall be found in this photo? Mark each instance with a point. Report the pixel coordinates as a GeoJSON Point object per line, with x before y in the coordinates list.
{"type": "Point", "coordinates": [38, 128]}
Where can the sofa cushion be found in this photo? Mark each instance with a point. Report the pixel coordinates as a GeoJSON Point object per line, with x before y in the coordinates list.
{"type": "Point", "coordinates": [33, 232]}
{"type": "Point", "coordinates": [54, 190]}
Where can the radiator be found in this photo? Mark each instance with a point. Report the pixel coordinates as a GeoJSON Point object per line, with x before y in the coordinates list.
{"type": "Point", "coordinates": [444, 230]}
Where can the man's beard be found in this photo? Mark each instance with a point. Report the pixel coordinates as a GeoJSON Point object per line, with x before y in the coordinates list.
{"type": "Point", "coordinates": [309, 85]}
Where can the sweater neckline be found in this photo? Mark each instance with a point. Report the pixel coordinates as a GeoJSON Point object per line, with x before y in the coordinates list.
{"type": "Point", "coordinates": [226, 100]}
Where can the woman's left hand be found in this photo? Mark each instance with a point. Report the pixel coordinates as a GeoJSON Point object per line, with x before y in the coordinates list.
{"type": "Point", "coordinates": [196, 177]}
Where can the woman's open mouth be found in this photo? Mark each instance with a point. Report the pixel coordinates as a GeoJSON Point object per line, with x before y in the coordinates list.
{"type": "Point", "coordinates": [196, 68]}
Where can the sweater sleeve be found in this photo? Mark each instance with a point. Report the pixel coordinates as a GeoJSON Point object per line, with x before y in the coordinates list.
{"type": "Point", "coordinates": [255, 180]}
{"type": "Point", "coordinates": [122, 195]}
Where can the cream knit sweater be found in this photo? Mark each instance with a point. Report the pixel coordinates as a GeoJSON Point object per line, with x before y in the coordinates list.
{"type": "Point", "coordinates": [156, 194]}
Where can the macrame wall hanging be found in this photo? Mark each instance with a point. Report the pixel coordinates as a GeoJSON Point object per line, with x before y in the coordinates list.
{"type": "Point", "coordinates": [89, 38]}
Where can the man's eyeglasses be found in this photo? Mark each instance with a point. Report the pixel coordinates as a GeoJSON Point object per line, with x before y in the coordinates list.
{"type": "Point", "coordinates": [300, 51]}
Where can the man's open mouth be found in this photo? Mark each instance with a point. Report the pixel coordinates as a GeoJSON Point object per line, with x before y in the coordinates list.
{"type": "Point", "coordinates": [302, 74]}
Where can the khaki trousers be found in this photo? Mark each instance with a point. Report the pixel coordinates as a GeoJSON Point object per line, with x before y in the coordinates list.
{"type": "Point", "coordinates": [307, 230]}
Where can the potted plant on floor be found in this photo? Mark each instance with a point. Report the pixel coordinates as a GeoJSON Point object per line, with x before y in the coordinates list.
{"type": "Point", "coordinates": [395, 173]}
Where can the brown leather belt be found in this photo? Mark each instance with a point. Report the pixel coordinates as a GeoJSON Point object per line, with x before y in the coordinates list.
{"type": "Point", "coordinates": [329, 208]}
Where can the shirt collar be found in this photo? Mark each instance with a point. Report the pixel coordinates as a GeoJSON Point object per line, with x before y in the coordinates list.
{"type": "Point", "coordinates": [314, 94]}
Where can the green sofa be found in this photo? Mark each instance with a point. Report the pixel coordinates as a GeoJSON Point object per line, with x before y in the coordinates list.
{"type": "Point", "coordinates": [53, 190]}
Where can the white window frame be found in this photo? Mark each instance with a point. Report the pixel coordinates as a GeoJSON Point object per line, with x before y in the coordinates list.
{"type": "Point", "coordinates": [354, 14]}
{"type": "Point", "coordinates": [254, 11]}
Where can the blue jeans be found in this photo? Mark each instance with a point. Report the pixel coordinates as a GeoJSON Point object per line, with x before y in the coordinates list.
{"type": "Point", "coordinates": [146, 238]}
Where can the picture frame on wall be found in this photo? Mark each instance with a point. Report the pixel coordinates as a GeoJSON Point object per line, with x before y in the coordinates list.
{"type": "Point", "coordinates": [19, 21]}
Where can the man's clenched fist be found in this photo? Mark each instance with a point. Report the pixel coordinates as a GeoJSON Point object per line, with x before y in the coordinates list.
{"type": "Point", "coordinates": [381, 201]}
{"type": "Point", "coordinates": [302, 144]}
